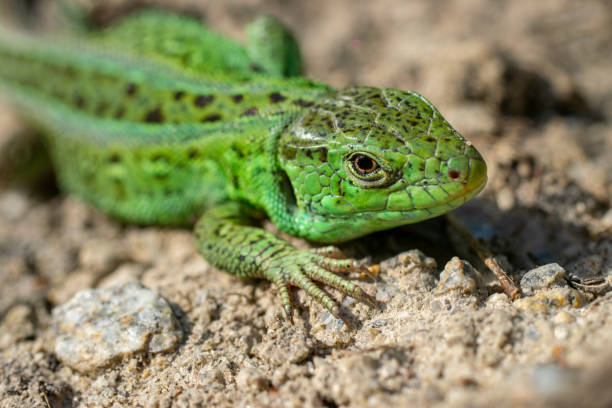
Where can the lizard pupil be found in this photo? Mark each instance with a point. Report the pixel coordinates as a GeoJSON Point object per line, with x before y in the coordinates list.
{"type": "Point", "coordinates": [364, 165]}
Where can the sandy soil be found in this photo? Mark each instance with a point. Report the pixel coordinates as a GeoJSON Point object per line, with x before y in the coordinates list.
{"type": "Point", "coordinates": [528, 82]}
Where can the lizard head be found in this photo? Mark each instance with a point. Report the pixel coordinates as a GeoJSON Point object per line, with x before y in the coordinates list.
{"type": "Point", "coordinates": [368, 159]}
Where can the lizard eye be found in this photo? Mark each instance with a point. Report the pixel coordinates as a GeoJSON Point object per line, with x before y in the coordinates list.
{"type": "Point", "coordinates": [363, 164]}
{"type": "Point", "coordinates": [365, 167]}
{"type": "Point", "coordinates": [368, 171]}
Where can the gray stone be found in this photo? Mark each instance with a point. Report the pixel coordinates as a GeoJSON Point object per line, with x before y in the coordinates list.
{"type": "Point", "coordinates": [551, 380]}
{"type": "Point", "coordinates": [458, 275]}
{"type": "Point", "coordinates": [100, 326]}
{"type": "Point", "coordinates": [544, 277]}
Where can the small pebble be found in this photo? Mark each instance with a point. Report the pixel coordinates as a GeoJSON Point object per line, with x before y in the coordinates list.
{"type": "Point", "coordinates": [505, 199]}
{"type": "Point", "coordinates": [458, 275]}
{"type": "Point", "coordinates": [99, 326]}
{"type": "Point", "coordinates": [498, 300]}
{"type": "Point", "coordinates": [411, 259]}
{"type": "Point", "coordinates": [561, 332]}
{"type": "Point", "coordinates": [550, 380]}
{"type": "Point", "coordinates": [543, 277]}
{"type": "Point", "coordinates": [563, 317]}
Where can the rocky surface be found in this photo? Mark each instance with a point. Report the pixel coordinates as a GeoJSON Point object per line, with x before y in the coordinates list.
{"type": "Point", "coordinates": [529, 84]}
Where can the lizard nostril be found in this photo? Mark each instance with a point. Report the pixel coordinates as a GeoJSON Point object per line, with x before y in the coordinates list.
{"type": "Point", "coordinates": [454, 174]}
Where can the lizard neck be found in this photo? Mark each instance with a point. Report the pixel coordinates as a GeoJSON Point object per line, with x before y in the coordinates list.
{"type": "Point", "coordinates": [258, 177]}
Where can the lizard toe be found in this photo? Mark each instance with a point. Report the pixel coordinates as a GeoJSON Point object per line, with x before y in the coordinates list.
{"type": "Point", "coordinates": [345, 286]}
{"type": "Point", "coordinates": [301, 280]}
{"type": "Point", "coordinates": [329, 252]}
{"type": "Point", "coordinates": [283, 290]}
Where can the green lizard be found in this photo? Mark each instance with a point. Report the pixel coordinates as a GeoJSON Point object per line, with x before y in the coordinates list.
{"type": "Point", "coordinates": [159, 120]}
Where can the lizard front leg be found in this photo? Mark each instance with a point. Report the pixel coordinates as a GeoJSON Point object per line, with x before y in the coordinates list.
{"type": "Point", "coordinates": [225, 239]}
{"type": "Point", "coordinates": [272, 46]}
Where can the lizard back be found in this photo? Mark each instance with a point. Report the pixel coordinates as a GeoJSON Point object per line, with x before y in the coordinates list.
{"type": "Point", "coordinates": [137, 117]}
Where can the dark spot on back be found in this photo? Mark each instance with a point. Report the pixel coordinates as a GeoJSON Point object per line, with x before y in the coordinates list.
{"type": "Point", "coordinates": [120, 112]}
{"type": "Point", "coordinates": [130, 89]}
{"type": "Point", "coordinates": [202, 100]}
{"type": "Point", "coordinates": [114, 158]}
{"type": "Point", "coordinates": [237, 150]}
{"type": "Point", "coordinates": [120, 191]}
{"type": "Point", "coordinates": [255, 68]}
{"type": "Point", "coordinates": [161, 176]}
{"type": "Point", "coordinates": [431, 139]}
{"type": "Point", "coordinates": [154, 116]}
{"type": "Point", "coordinates": [276, 97]}
{"type": "Point", "coordinates": [159, 157]}
{"type": "Point", "coordinates": [192, 153]}
{"type": "Point", "coordinates": [178, 95]}
{"type": "Point", "coordinates": [79, 102]}
{"type": "Point", "coordinates": [303, 103]}
{"type": "Point", "coordinates": [69, 70]}
{"type": "Point", "coordinates": [250, 112]}
{"type": "Point", "coordinates": [237, 98]}
{"type": "Point", "coordinates": [213, 117]}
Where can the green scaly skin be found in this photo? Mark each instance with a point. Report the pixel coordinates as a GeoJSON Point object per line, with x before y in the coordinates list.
{"type": "Point", "coordinates": [158, 120]}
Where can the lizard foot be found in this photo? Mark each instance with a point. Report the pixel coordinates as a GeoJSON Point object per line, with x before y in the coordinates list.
{"type": "Point", "coordinates": [302, 268]}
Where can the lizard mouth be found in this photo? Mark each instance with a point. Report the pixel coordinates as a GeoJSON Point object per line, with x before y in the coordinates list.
{"type": "Point", "coordinates": [440, 207]}
{"type": "Point", "coordinates": [462, 198]}
{"type": "Point", "coordinates": [436, 199]}
{"type": "Point", "coordinates": [472, 190]}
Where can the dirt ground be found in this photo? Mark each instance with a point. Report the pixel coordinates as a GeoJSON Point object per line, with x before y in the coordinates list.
{"type": "Point", "coordinates": [529, 83]}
